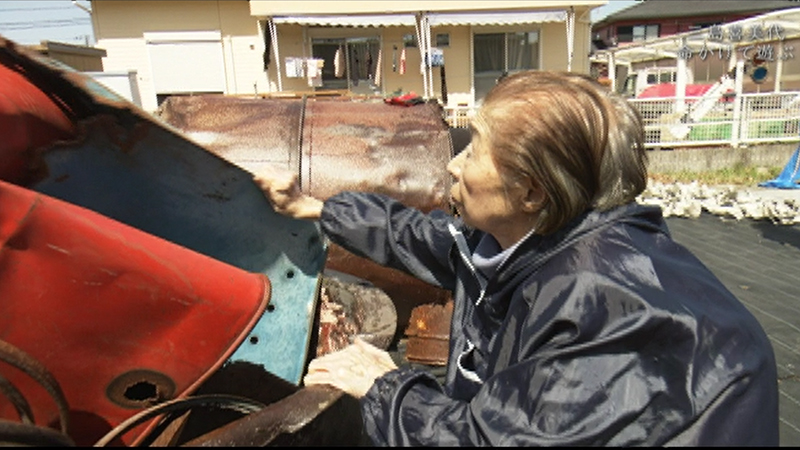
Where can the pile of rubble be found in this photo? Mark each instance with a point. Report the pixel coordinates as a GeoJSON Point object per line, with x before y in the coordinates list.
{"type": "Point", "coordinates": [691, 199]}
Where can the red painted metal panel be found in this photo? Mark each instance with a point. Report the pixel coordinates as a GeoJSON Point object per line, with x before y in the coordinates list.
{"type": "Point", "coordinates": [121, 318]}
{"type": "Point", "coordinates": [29, 119]}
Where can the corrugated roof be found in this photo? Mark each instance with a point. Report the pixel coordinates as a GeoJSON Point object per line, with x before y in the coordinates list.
{"type": "Point", "coordinates": [660, 9]}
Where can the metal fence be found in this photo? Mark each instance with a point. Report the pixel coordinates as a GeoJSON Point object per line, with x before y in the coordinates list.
{"type": "Point", "coordinates": [458, 116]}
{"type": "Point", "coordinates": [698, 121]}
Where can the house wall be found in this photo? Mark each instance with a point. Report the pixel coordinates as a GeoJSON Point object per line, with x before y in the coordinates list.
{"type": "Point", "coordinates": [120, 27]}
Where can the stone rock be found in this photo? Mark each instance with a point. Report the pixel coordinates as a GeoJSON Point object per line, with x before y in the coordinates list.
{"type": "Point", "coordinates": [691, 199]}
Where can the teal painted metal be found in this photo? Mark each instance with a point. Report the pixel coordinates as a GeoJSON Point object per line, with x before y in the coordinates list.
{"type": "Point", "coordinates": [133, 168]}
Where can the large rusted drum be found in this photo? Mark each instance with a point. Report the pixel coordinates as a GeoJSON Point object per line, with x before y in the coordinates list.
{"type": "Point", "coordinates": [335, 145]}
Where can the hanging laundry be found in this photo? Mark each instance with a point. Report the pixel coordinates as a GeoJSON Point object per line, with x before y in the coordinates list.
{"type": "Point", "coordinates": [314, 72]}
{"type": "Point", "coordinates": [402, 61]}
{"type": "Point", "coordinates": [338, 63]}
{"type": "Point", "coordinates": [294, 67]}
{"type": "Point", "coordinates": [378, 69]}
{"type": "Point", "coordinates": [368, 66]}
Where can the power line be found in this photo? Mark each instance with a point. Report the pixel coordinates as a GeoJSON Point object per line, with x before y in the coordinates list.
{"type": "Point", "coordinates": [46, 21]}
{"type": "Point", "coordinates": [57, 8]}
{"type": "Point", "coordinates": [16, 26]}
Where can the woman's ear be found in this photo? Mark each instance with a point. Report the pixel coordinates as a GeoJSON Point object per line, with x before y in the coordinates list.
{"type": "Point", "coordinates": [532, 199]}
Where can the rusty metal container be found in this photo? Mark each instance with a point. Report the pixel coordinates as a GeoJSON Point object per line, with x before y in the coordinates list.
{"type": "Point", "coordinates": [429, 334]}
{"type": "Point", "coordinates": [335, 145]}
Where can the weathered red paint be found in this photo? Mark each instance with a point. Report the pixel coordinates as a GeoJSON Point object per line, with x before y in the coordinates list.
{"type": "Point", "coordinates": [96, 301]}
{"type": "Point", "coordinates": [29, 119]}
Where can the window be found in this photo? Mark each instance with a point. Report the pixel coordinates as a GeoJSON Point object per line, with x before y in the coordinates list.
{"type": "Point", "coordinates": [496, 54]}
{"type": "Point", "coordinates": [409, 40]}
{"type": "Point", "coordinates": [442, 39]}
{"type": "Point", "coordinates": [637, 33]}
{"type": "Point", "coordinates": [645, 32]}
{"type": "Point", "coordinates": [624, 34]}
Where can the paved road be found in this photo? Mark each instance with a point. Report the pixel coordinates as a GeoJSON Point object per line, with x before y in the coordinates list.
{"type": "Point", "coordinates": [760, 263]}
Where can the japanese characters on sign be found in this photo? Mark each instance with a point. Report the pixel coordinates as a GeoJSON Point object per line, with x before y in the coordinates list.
{"type": "Point", "coordinates": [755, 42]}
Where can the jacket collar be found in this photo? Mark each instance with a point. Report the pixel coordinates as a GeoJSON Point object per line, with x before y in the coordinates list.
{"type": "Point", "coordinates": [536, 249]}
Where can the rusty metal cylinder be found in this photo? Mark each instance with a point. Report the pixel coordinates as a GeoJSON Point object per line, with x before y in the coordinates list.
{"type": "Point", "coordinates": [334, 145]}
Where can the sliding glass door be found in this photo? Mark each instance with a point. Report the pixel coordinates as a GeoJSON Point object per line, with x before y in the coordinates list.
{"type": "Point", "coordinates": [497, 54]}
{"type": "Point", "coordinates": [350, 63]}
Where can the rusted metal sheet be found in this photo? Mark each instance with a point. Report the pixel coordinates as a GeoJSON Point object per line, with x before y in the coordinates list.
{"type": "Point", "coordinates": [429, 334]}
{"type": "Point", "coordinates": [307, 417]}
{"type": "Point", "coordinates": [247, 132]}
{"type": "Point", "coordinates": [375, 147]}
{"type": "Point", "coordinates": [332, 145]}
{"type": "Point", "coordinates": [335, 145]}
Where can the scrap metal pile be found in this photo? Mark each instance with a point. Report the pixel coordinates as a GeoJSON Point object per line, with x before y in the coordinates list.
{"type": "Point", "coordinates": [150, 294]}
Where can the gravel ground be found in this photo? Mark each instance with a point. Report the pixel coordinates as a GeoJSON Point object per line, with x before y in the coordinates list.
{"type": "Point", "coordinates": [780, 206]}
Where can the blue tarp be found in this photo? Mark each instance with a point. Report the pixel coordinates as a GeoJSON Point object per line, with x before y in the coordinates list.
{"type": "Point", "coordinates": [789, 176]}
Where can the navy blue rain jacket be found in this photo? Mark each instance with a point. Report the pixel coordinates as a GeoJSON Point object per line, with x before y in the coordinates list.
{"type": "Point", "coordinates": [604, 333]}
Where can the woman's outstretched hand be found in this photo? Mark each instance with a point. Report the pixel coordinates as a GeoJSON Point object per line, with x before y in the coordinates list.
{"type": "Point", "coordinates": [283, 192]}
{"type": "Point", "coordinates": [352, 370]}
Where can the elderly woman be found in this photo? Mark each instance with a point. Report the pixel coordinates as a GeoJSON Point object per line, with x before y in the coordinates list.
{"type": "Point", "coordinates": [577, 319]}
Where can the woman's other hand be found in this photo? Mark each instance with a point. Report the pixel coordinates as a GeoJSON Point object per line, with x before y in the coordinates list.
{"type": "Point", "coordinates": [283, 191]}
{"type": "Point", "coordinates": [352, 370]}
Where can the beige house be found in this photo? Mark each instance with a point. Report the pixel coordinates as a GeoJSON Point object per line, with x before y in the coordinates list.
{"type": "Point", "coordinates": [260, 47]}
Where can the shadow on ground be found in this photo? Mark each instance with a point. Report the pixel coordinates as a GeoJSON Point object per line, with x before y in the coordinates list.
{"type": "Point", "coordinates": [782, 234]}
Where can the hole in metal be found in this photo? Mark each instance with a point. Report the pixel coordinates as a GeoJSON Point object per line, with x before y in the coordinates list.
{"type": "Point", "coordinates": [142, 391]}
{"type": "Point", "coordinates": [290, 274]}
{"type": "Point", "coordinates": [254, 340]}
{"type": "Point", "coordinates": [140, 388]}
{"type": "Point", "coordinates": [270, 307]}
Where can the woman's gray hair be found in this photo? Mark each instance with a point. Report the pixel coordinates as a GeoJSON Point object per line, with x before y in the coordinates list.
{"type": "Point", "coordinates": [568, 135]}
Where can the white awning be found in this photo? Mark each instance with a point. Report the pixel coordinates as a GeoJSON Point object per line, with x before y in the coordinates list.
{"type": "Point", "coordinates": [382, 20]}
{"type": "Point", "coordinates": [505, 18]}
{"type": "Point", "coordinates": [388, 20]}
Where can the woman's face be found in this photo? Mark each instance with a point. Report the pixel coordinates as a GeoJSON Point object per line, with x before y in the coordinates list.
{"type": "Point", "coordinates": [479, 196]}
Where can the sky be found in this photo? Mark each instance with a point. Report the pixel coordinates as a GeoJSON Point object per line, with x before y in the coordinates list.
{"type": "Point", "coordinates": [32, 21]}
{"type": "Point", "coordinates": [611, 7]}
